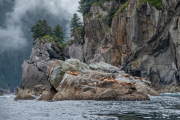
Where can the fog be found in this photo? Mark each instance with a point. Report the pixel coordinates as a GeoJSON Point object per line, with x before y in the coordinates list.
{"type": "Point", "coordinates": [15, 30]}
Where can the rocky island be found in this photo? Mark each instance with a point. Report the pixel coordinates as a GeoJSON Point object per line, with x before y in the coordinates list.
{"type": "Point", "coordinates": [134, 56]}
{"type": "Point", "coordinates": [74, 80]}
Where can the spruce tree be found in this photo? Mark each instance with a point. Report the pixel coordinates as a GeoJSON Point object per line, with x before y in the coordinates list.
{"type": "Point", "coordinates": [85, 5]}
{"type": "Point", "coordinates": [75, 22]}
{"type": "Point", "coordinates": [40, 29]}
{"type": "Point", "coordinates": [59, 34]}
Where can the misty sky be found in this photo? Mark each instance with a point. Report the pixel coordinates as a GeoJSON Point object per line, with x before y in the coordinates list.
{"type": "Point", "coordinates": [13, 34]}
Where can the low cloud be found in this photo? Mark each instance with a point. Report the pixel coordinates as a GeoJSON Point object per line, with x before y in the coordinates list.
{"type": "Point", "coordinates": [13, 33]}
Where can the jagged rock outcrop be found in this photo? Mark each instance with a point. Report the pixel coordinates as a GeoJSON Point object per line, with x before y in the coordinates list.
{"type": "Point", "coordinates": [142, 38]}
{"type": "Point", "coordinates": [34, 70]}
{"type": "Point", "coordinates": [75, 44]}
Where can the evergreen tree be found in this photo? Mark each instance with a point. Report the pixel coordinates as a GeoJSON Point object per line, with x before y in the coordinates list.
{"type": "Point", "coordinates": [75, 22]}
{"type": "Point", "coordinates": [59, 33]}
{"type": "Point", "coordinates": [85, 5]}
{"type": "Point", "coordinates": [40, 29]}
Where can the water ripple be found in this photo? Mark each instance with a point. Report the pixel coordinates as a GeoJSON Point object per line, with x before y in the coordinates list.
{"type": "Point", "coordinates": [159, 108]}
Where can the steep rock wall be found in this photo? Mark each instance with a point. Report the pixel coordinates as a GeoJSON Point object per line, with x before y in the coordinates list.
{"type": "Point", "coordinates": [142, 38]}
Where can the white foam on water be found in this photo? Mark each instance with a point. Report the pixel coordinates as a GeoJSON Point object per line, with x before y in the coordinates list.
{"type": "Point", "coordinates": [147, 117]}
{"type": "Point", "coordinates": [170, 94]}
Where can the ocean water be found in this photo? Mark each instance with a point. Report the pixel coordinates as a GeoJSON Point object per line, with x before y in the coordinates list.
{"type": "Point", "coordinates": [162, 107]}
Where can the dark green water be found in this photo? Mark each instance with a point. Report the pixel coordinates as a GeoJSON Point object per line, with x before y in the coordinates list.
{"type": "Point", "coordinates": [159, 108]}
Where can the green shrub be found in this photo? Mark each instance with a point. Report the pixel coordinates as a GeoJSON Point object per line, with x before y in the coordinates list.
{"type": "Point", "coordinates": [87, 15]}
{"type": "Point", "coordinates": [107, 32]}
{"type": "Point", "coordinates": [100, 2]}
{"type": "Point", "coordinates": [80, 31]}
{"type": "Point", "coordinates": [63, 45]}
{"type": "Point", "coordinates": [156, 3]}
{"type": "Point", "coordinates": [99, 15]}
{"type": "Point", "coordinates": [48, 37]}
{"type": "Point", "coordinates": [122, 8]}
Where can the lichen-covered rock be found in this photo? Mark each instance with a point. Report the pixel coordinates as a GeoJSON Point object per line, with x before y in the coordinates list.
{"type": "Point", "coordinates": [56, 71]}
{"type": "Point", "coordinates": [76, 65]}
{"type": "Point", "coordinates": [103, 83]}
{"type": "Point", "coordinates": [104, 67]}
{"type": "Point", "coordinates": [38, 89]}
{"type": "Point", "coordinates": [85, 88]}
{"type": "Point", "coordinates": [23, 95]}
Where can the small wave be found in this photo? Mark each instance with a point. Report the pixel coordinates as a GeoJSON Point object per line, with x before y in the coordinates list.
{"type": "Point", "coordinates": [7, 96]}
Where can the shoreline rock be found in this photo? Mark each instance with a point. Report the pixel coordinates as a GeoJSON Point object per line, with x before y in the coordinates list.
{"type": "Point", "coordinates": [105, 82]}
{"type": "Point", "coordinates": [87, 88]}
{"type": "Point", "coordinates": [23, 95]}
{"type": "Point", "coordinates": [75, 80]}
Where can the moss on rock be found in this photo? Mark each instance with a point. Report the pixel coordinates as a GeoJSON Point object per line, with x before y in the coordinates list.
{"type": "Point", "coordinates": [156, 3]}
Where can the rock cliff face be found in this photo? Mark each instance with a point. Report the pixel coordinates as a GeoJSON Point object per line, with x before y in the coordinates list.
{"type": "Point", "coordinates": [142, 39]}
{"type": "Point", "coordinates": [34, 70]}
{"type": "Point", "coordinates": [47, 75]}
{"type": "Point", "coordinates": [93, 46]}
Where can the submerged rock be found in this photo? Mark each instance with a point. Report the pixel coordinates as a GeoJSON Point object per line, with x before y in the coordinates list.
{"type": "Point", "coordinates": [23, 95]}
